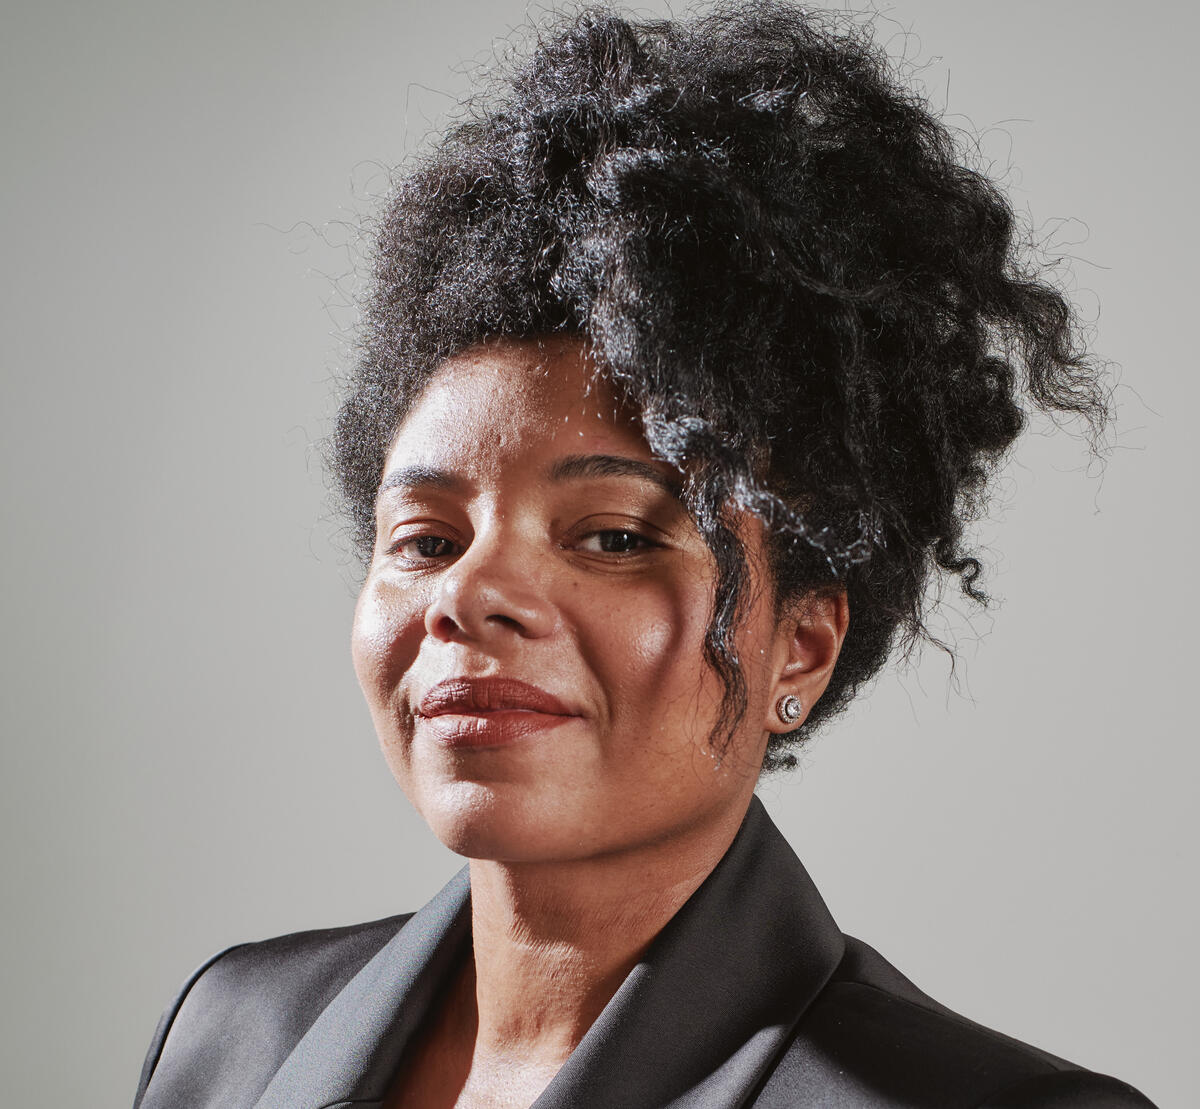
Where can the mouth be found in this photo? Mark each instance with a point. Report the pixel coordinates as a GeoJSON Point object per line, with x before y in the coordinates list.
{"type": "Point", "coordinates": [489, 712]}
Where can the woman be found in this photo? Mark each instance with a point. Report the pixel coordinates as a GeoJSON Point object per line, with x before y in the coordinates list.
{"type": "Point", "coordinates": [687, 359]}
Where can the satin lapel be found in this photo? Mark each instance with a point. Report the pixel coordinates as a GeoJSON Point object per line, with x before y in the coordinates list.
{"type": "Point", "coordinates": [700, 1020]}
{"type": "Point", "coordinates": [352, 1049]}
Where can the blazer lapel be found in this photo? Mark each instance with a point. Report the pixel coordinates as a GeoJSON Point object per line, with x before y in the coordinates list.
{"type": "Point", "coordinates": [353, 1048]}
{"type": "Point", "coordinates": [700, 1021]}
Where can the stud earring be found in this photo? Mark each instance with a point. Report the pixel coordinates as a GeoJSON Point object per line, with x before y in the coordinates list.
{"type": "Point", "coordinates": [789, 709]}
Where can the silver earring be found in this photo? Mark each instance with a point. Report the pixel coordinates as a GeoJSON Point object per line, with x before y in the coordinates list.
{"type": "Point", "coordinates": [789, 709]}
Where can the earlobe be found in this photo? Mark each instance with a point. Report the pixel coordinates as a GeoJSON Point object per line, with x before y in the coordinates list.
{"type": "Point", "coordinates": [790, 709]}
{"type": "Point", "coordinates": [812, 636]}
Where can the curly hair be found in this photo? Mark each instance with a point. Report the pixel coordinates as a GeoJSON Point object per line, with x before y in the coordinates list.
{"type": "Point", "coordinates": [776, 252]}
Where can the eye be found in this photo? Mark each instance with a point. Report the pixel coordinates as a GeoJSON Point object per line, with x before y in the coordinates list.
{"type": "Point", "coordinates": [615, 541]}
{"type": "Point", "coordinates": [423, 548]}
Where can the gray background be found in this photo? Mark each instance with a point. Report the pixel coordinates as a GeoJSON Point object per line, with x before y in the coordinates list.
{"type": "Point", "coordinates": [186, 760]}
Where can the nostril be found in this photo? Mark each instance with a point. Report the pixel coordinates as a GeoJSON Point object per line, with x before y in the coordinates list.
{"type": "Point", "coordinates": [506, 621]}
{"type": "Point", "coordinates": [480, 596]}
{"type": "Point", "coordinates": [443, 626]}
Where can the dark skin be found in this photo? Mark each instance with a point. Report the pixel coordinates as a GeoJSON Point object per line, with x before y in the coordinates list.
{"type": "Point", "coordinates": [527, 534]}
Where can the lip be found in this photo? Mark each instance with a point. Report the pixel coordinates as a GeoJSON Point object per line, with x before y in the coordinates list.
{"type": "Point", "coordinates": [489, 712]}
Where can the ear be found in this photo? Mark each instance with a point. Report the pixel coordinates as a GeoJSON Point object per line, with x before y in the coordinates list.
{"type": "Point", "coordinates": [810, 637]}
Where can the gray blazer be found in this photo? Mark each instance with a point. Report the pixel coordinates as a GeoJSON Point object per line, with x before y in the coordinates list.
{"type": "Point", "coordinates": [751, 996]}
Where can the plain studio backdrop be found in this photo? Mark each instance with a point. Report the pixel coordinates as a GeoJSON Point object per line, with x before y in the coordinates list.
{"type": "Point", "coordinates": [187, 761]}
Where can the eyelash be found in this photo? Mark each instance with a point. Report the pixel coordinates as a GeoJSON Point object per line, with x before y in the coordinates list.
{"type": "Point", "coordinates": [398, 546]}
{"type": "Point", "coordinates": [640, 543]}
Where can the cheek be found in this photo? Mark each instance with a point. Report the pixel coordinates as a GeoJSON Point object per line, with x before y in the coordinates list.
{"type": "Point", "coordinates": [388, 630]}
{"type": "Point", "coordinates": [649, 649]}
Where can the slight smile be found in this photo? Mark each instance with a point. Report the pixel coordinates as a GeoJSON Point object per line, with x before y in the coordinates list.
{"type": "Point", "coordinates": [489, 712]}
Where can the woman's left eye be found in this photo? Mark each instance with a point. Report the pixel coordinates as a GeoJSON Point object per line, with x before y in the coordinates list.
{"type": "Point", "coordinates": [614, 541]}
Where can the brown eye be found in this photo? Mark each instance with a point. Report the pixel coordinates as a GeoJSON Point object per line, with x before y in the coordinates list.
{"type": "Point", "coordinates": [432, 546]}
{"type": "Point", "coordinates": [417, 548]}
{"type": "Point", "coordinates": [615, 541]}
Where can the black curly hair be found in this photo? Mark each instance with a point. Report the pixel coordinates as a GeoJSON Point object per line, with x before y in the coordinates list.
{"type": "Point", "coordinates": [778, 254]}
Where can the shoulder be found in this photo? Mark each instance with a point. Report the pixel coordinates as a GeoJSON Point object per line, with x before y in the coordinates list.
{"type": "Point", "coordinates": [238, 1016]}
{"type": "Point", "coordinates": [873, 1038]}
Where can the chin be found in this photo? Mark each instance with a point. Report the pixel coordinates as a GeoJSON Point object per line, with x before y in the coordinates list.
{"type": "Point", "coordinates": [489, 821]}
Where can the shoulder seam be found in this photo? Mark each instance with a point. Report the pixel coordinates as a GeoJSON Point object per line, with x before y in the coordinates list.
{"type": "Point", "coordinates": [1113, 1085]}
{"type": "Point", "coordinates": [168, 1020]}
{"type": "Point", "coordinates": [1052, 1061]}
{"type": "Point", "coordinates": [1009, 1088]}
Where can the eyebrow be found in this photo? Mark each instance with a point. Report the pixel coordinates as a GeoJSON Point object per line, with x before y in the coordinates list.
{"type": "Point", "coordinates": [572, 467]}
{"type": "Point", "coordinates": [416, 476]}
{"type": "Point", "coordinates": [612, 465]}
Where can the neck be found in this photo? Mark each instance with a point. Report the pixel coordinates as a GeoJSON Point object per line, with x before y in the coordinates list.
{"type": "Point", "coordinates": [554, 940]}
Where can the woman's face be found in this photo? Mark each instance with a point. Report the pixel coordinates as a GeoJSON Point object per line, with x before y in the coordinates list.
{"type": "Point", "coordinates": [530, 634]}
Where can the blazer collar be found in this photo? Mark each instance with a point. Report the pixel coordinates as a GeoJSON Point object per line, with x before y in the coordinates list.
{"type": "Point", "coordinates": [698, 1022]}
{"type": "Point", "coordinates": [702, 1018]}
{"type": "Point", "coordinates": [351, 1050]}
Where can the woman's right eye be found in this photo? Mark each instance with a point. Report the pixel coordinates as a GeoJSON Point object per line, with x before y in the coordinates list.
{"type": "Point", "coordinates": [423, 548]}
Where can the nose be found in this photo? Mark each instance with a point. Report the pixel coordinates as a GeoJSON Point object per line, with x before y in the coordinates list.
{"type": "Point", "coordinates": [489, 592]}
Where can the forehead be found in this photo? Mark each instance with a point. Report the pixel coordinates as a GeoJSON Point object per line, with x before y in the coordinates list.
{"type": "Point", "coordinates": [517, 397]}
